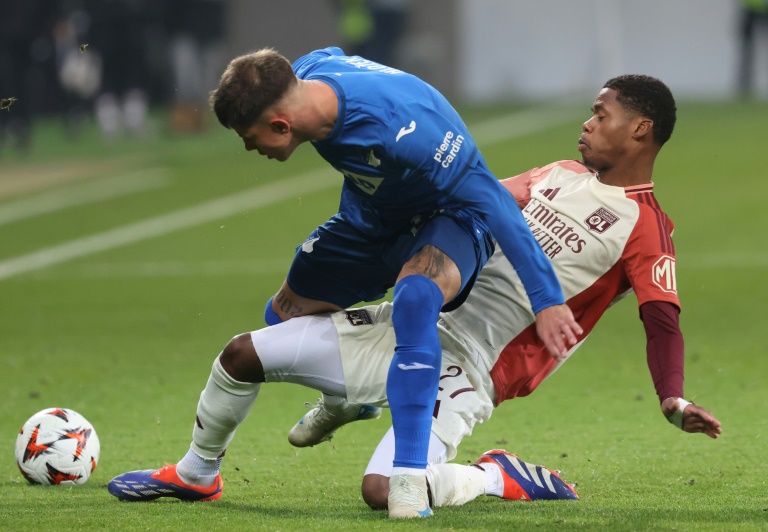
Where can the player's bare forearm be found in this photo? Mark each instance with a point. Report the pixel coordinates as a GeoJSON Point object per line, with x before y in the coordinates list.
{"type": "Point", "coordinates": [695, 418]}
{"type": "Point", "coordinates": [558, 329]}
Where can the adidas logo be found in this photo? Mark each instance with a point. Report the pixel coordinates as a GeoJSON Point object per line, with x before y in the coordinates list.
{"type": "Point", "coordinates": [549, 193]}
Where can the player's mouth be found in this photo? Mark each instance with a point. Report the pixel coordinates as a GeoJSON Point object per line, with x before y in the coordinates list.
{"type": "Point", "coordinates": [582, 144]}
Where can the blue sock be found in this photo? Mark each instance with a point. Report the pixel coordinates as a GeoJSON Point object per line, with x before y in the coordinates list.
{"type": "Point", "coordinates": [414, 374]}
{"type": "Point", "coordinates": [270, 316]}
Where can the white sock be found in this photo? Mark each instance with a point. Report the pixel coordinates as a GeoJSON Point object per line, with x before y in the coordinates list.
{"type": "Point", "coordinates": [455, 484]}
{"type": "Point", "coordinates": [494, 480]}
{"type": "Point", "coordinates": [334, 401]}
{"type": "Point", "coordinates": [198, 471]}
{"type": "Point", "coordinates": [408, 471]}
{"type": "Point", "coordinates": [223, 405]}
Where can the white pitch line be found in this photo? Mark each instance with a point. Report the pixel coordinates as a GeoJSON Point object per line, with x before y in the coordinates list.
{"type": "Point", "coordinates": [172, 268]}
{"type": "Point", "coordinates": [162, 225]}
{"type": "Point", "coordinates": [496, 130]}
{"type": "Point", "coordinates": [83, 194]}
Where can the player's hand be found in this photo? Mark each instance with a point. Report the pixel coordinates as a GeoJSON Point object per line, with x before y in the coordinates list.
{"type": "Point", "coordinates": [695, 418]}
{"type": "Point", "coordinates": [558, 329]}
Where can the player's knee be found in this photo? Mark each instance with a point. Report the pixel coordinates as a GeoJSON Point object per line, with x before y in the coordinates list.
{"type": "Point", "coordinates": [415, 294]}
{"type": "Point", "coordinates": [240, 361]}
{"type": "Point", "coordinates": [414, 288]}
{"type": "Point", "coordinates": [375, 491]}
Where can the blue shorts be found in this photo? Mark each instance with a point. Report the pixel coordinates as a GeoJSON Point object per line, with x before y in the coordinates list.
{"type": "Point", "coordinates": [343, 266]}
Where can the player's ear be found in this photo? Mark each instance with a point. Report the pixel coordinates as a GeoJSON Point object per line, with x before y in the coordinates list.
{"type": "Point", "coordinates": [643, 127]}
{"type": "Point", "coordinates": [280, 125]}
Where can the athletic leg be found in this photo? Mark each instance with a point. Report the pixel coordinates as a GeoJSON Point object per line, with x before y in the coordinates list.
{"type": "Point", "coordinates": [450, 252]}
{"type": "Point", "coordinates": [375, 487]}
{"type": "Point", "coordinates": [336, 267]}
{"type": "Point", "coordinates": [304, 351]}
{"type": "Point", "coordinates": [449, 484]}
{"type": "Point", "coordinates": [428, 280]}
{"type": "Point", "coordinates": [497, 473]}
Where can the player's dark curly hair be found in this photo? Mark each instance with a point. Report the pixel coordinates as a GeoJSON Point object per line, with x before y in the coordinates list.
{"type": "Point", "coordinates": [249, 85]}
{"type": "Point", "coordinates": [648, 97]}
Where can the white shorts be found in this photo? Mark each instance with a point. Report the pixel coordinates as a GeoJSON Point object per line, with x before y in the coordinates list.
{"type": "Point", "coordinates": [367, 345]}
{"type": "Point", "coordinates": [348, 354]}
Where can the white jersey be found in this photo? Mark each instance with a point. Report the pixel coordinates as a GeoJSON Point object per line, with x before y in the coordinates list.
{"type": "Point", "coordinates": [603, 241]}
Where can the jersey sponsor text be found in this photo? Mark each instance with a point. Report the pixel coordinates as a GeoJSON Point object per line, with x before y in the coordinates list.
{"type": "Point", "coordinates": [551, 231]}
{"type": "Point", "coordinates": [449, 143]}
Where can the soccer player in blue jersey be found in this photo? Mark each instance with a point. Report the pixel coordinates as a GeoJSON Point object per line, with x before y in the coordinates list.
{"type": "Point", "coordinates": [419, 211]}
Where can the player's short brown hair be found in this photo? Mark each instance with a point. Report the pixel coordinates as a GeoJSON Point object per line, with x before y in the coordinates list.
{"type": "Point", "coordinates": [250, 84]}
{"type": "Point", "coordinates": [648, 97]}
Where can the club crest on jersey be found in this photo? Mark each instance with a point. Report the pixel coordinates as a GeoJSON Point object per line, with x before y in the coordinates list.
{"type": "Point", "coordinates": [359, 317]}
{"type": "Point", "coordinates": [366, 183]}
{"type": "Point", "coordinates": [663, 273]}
{"type": "Point", "coordinates": [600, 220]}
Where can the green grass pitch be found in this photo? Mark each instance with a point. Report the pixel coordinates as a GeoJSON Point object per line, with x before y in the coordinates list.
{"type": "Point", "coordinates": [124, 330]}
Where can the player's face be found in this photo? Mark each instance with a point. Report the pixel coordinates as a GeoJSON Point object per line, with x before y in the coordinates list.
{"type": "Point", "coordinates": [270, 139]}
{"type": "Point", "coordinates": [607, 136]}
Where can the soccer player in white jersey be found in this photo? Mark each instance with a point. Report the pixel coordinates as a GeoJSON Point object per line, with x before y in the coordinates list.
{"type": "Point", "coordinates": [600, 225]}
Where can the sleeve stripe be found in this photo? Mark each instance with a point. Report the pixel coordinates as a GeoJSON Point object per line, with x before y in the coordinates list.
{"type": "Point", "coordinates": [665, 239]}
{"type": "Point", "coordinates": [666, 246]}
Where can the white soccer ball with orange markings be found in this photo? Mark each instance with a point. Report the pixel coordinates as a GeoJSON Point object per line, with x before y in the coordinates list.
{"type": "Point", "coordinates": [57, 446]}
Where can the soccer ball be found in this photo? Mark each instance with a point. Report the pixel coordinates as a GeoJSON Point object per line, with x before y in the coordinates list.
{"type": "Point", "coordinates": [57, 446]}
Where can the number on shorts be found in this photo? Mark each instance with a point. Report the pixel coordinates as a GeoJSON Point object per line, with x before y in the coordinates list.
{"type": "Point", "coordinates": [458, 371]}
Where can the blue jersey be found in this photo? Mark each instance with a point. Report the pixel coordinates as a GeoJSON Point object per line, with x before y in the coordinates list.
{"type": "Point", "coordinates": [405, 152]}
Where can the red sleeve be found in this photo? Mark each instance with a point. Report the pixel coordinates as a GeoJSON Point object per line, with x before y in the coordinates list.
{"type": "Point", "coordinates": [649, 256]}
{"type": "Point", "coordinates": [520, 185]}
{"type": "Point", "coordinates": [664, 347]}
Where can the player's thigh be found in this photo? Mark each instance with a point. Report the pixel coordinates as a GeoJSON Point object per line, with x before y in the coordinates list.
{"type": "Point", "coordinates": [303, 350]}
{"type": "Point", "coordinates": [367, 344]}
{"type": "Point", "coordinates": [463, 240]}
{"type": "Point", "coordinates": [340, 265]}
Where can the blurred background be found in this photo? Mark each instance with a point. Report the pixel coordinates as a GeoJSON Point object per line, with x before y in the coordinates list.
{"type": "Point", "coordinates": [111, 61]}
